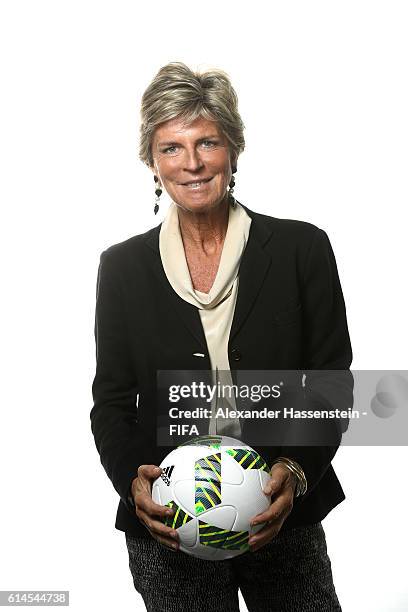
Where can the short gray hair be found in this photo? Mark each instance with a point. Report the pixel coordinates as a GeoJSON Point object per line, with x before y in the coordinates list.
{"type": "Point", "coordinates": [178, 92]}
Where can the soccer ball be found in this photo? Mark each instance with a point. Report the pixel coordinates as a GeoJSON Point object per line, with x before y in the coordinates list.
{"type": "Point", "coordinates": [214, 484]}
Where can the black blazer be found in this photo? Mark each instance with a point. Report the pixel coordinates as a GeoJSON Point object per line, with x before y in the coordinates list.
{"type": "Point", "coordinates": [289, 315]}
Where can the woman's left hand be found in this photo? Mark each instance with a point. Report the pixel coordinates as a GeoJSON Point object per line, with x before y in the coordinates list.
{"type": "Point", "coordinates": [282, 487]}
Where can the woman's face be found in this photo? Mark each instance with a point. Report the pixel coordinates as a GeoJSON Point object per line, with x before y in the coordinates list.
{"type": "Point", "coordinates": [193, 162]}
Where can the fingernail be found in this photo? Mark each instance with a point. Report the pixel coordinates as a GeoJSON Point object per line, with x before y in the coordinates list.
{"type": "Point", "coordinates": [169, 512]}
{"type": "Point", "coordinates": [174, 534]}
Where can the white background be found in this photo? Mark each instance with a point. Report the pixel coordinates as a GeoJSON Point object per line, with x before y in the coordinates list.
{"type": "Point", "coordinates": [323, 93]}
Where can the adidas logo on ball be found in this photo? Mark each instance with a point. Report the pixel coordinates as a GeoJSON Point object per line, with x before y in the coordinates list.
{"type": "Point", "coordinates": [166, 474]}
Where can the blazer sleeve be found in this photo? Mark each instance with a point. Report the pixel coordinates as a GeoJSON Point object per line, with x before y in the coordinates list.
{"type": "Point", "coordinates": [117, 434]}
{"type": "Point", "coordinates": [326, 346]}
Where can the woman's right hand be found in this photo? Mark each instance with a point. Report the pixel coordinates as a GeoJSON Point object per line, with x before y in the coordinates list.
{"type": "Point", "coordinates": [148, 511]}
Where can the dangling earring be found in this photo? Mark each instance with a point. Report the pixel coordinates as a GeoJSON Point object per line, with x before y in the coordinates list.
{"type": "Point", "coordinates": [158, 191]}
{"type": "Point", "coordinates": [231, 191]}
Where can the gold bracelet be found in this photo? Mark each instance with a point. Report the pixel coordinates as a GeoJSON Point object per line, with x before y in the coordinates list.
{"type": "Point", "coordinates": [295, 468]}
{"type": "Point", "coordinates": [298, 471]}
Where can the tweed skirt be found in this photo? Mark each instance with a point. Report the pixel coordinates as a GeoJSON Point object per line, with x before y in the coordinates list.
{"type": "Point", "coordinates": [290, 574]}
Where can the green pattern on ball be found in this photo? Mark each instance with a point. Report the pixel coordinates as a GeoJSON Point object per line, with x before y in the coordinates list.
{"type": "Point", "coordinates": [248, 459]}
{"type": "Point", "coordinates": [207, 477]}
{"type": "Point", "coordinates": [179, 518]}
{"type": "Point", "coordinates": [215, 537]}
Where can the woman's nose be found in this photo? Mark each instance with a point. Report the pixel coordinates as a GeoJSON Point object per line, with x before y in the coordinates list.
{"type": "Point", "coordinates": [192, 160]}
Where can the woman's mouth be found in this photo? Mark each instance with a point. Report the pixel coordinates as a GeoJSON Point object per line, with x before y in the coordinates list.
{"type": "Point", "coordinates": [196, 185]}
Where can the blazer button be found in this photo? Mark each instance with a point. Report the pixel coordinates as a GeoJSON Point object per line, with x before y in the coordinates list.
{"type": "Point", "coordinates": [236, 354]}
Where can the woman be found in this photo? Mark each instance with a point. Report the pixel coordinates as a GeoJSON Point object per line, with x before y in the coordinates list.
{"type": "Point", "coordinates": [215, 287]}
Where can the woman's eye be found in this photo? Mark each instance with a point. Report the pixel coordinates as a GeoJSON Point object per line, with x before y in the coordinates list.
{"type": "Point", "coordinates": [209, 143]}
{"type": "Point", "coordinates": [171, 149]}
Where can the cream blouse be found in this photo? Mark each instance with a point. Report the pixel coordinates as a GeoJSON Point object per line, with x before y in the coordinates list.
{"type": "Point", "coordinates": [216, 308]}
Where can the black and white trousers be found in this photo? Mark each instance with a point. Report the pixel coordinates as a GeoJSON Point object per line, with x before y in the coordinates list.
{"type": "Point", "coordinates": [290, 574]}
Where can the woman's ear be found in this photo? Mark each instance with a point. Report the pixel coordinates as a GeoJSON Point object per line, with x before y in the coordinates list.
{"type": "Point", "coordinates": [234, 159]}
{"type": "Point", "coordinates": [154, 168]}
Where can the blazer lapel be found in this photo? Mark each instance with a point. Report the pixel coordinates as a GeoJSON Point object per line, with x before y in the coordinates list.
{"type": "Point", "coordinates": [255, 262]}
{"type": "Point", "coordinates": [187, 312]}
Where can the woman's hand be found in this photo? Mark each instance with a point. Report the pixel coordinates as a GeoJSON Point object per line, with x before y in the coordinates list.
{"type": "Point", "coordinates": [282, 487]}
{"type": "Point", "coordinates": [148, 511]}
